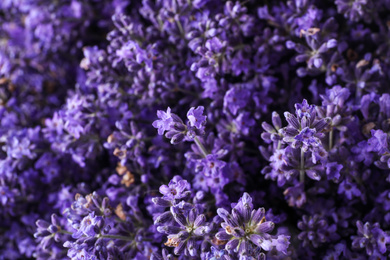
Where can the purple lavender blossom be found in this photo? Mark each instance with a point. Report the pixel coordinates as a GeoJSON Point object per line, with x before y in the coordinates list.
{"type": "Point", "coordinates": [316, 231]}
{"type": "Point", "coordinates": [185, 238]}
{"type": "Point", "coordinates": [247, 229]}
{"type": "Point", "coordinates": [349, 189]}
{"type": "Point", "coordinates": [210, 165]}
{"type": "Point", "coordinates": [371, 237]}
{"type": "Point", "coordinates": [176, 189]}
{"type": "Point", "coordinates": [163, 124]}
{"type": "Point", "coordinates": [196, 117]}
{"type": "Point", "coordinates": [354, 10]}
{"type": "Point", "coordinates": [88, 226]}
{"type": "Point", "coordinates": [236, 98]}
{"type": "Point", "coordinates": [303, 130]}
{"type": "Point", "coordinates": [165, 256]}
{"type": "Point", "coordinates": [216, 254]}
{"type": "Point", "coordinates": [177, 131]}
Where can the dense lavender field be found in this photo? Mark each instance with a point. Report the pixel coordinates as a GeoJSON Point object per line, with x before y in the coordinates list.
{"type": "Point", "coordinates": [194, 129]}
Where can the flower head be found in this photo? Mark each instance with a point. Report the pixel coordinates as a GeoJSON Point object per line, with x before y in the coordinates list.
{"type": "Point", "coordinates": [89, 226]}
{"type": "Point", "coordinates": [247, 230]}
{"type": "Point", "coordinates": [371, 237]}
{"type": "Point", "coordinates": [176, 189]}
{"type": "Point", "coordinates": [196, 117]}
{"type": "Point", "coordinates": [163, 124]}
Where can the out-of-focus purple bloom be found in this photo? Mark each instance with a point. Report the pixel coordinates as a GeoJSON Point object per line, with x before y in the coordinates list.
{"type": "Point", "coordinates": [244, 122]}
{"type": "Point", "coordinates": [296, 195]}
{"type": "Point", "coordinates": [349, 189]}
{"type": "Point", "coordinates": [236, 98]}
{"type": "Point", "coordinates": [384, 199]}
{"type": "Point", "coordinates": [316, 231]}
{"type": "Point", "coordinates": [20, 147]}
{"type": "Point", "coordinates": [163, 124]}
{"type": "Point", "coordinates": [354, 10]}
{"type": "Point", "coordinates": [165, 256]}
{"type": "Point", "coordinates": [196, 117]}
{"type": "Point", "coordinates": [272, 132]}
{"type": "Point", "coordinates": [176, 189]}
{"type": "Point", "coordinates": [314, 54]}
{"type": "Point", "coordinates": [333, 171]}
{"type": "Point", "coordinates": [210, 165]}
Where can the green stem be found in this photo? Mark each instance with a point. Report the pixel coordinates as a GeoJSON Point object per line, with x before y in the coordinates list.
{"type": "Point", "coordinates": [65, 232]}
{"type": "Point", "coordinates": [330, 139]}
{"type": "Point", "coordinates": [180, 27]}
{"type": "Point", "coordinates": [302, 170]}
{"type": "Point", "coordinates": [201, 147]}
{"type": "Point", "coordinates": [102, 236]}
{"type": "Point", "coordinates": [117, 237]}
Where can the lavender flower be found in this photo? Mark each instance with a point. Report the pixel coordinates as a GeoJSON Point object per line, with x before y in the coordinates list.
{"type": "Point", "coordinates": [176, 189]}
{"type": "Point", "coordinates": [177, 131]}
{"type": "Point", "coordinates": [316, 231]}
{"type": "Point", "coordinates": [314, 53]}
{"type": "Point", "coordinates": [89, 226]}
{"type": "Point", "coordinates": [216, 254]}
{"type": "Point", "coordinates": [354, 10]}
{"type": "Point", "coordinates": [196, 117]}
{"type": "Point", "coordinates": [236, 98]}
{"type": "Point", "coordinates": [164, 123]}
{"type": "Point", "coordinates": [304, 131]}
{"type": "Point", "coordinates": [185, 238]}
{"type": "Point", "coordinates": [371, 237]}
{"type": "Point", "coordinates": [247, 229]}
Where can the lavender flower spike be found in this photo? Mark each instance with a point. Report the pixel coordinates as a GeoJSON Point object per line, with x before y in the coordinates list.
{"type": "Point", "coordinates": [164, 123]}
{"type": "Point", "coordinates": [196, 117]}
{"type": "Point", "coordinates": [247, 230]}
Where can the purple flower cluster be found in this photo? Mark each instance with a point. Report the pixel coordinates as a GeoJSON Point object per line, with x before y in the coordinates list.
{"type": "Point", "coordinates": [204, 129]}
